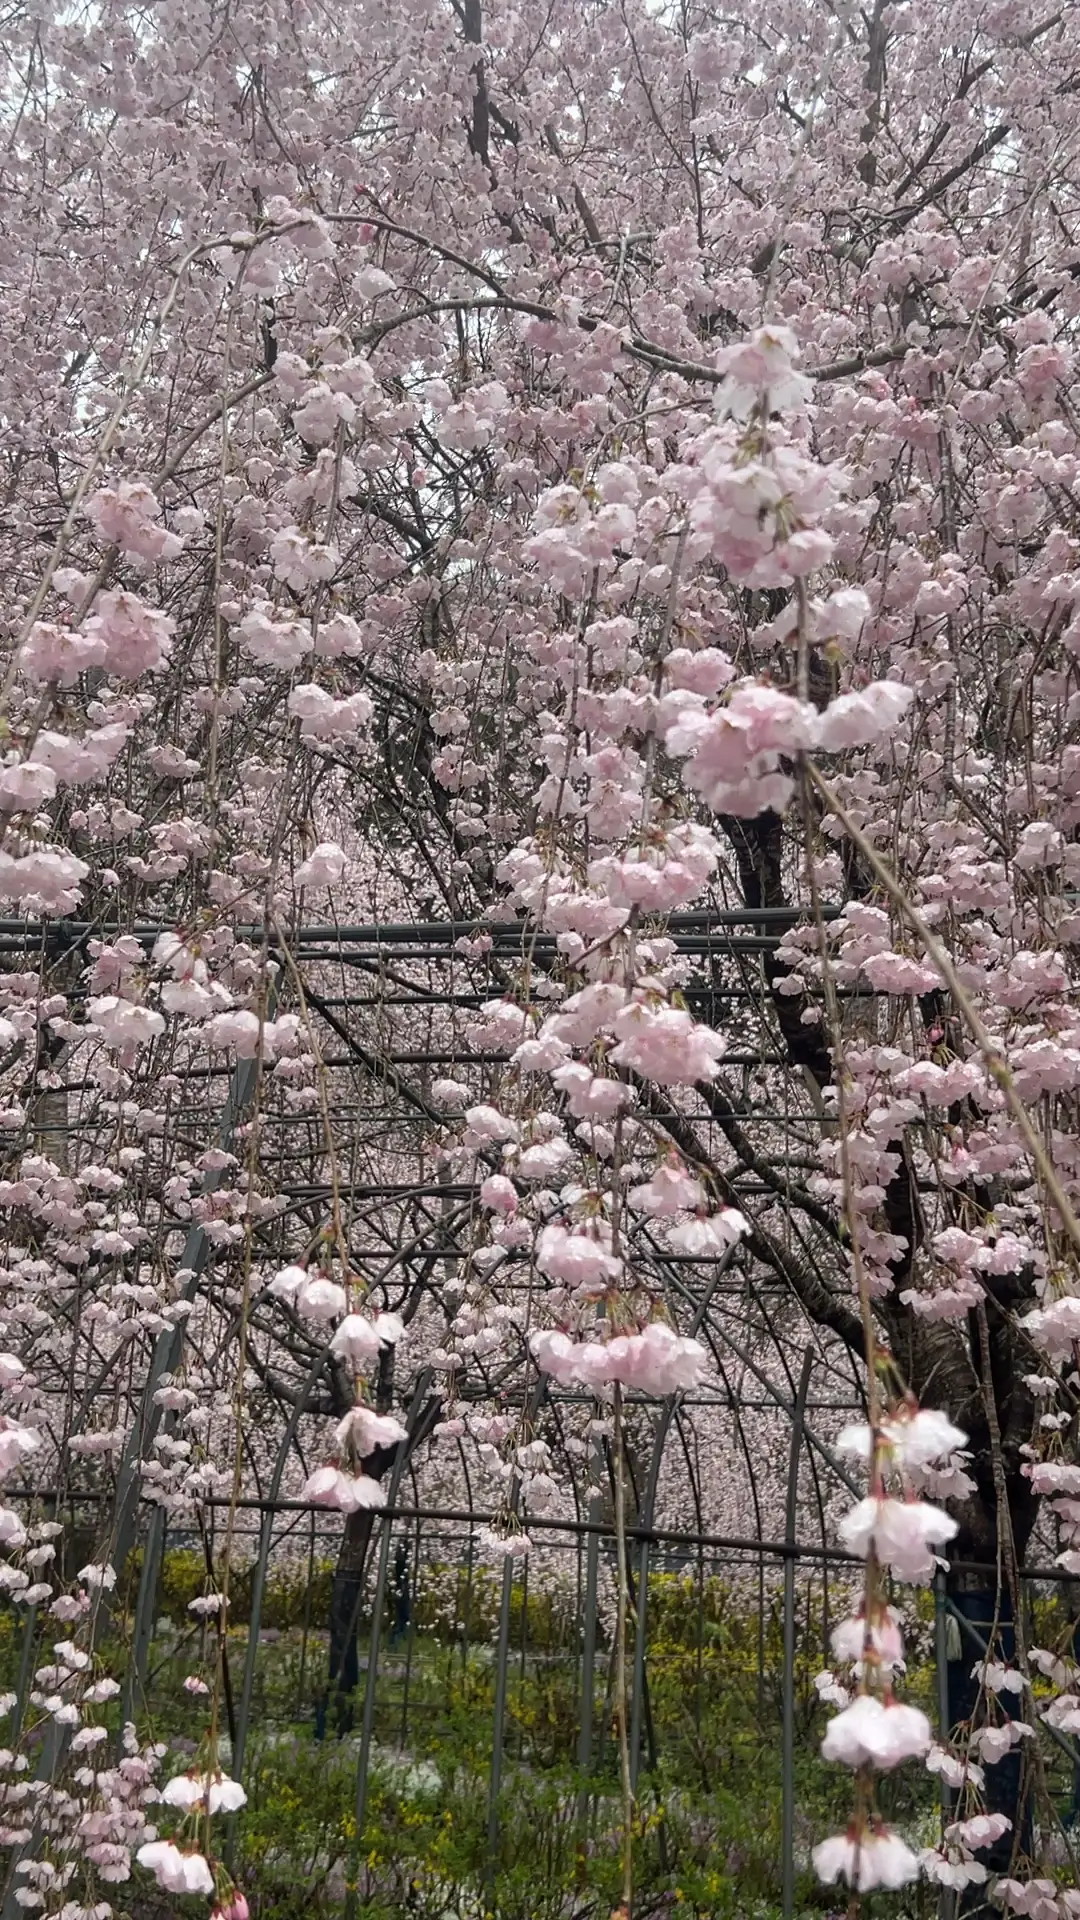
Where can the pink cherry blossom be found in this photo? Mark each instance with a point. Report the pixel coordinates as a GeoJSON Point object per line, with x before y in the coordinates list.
{"type": "Point", "coordinates": [324, 867]}
{"type": "Point", "coordinates": [665, 1044]}
{"type": "Point", "coordinates": [176, 1871]}
{"type": "Point", "coordinates": [875, 1732]}
{"type": "Point", "coordinates": [903, 1534]}
{"type": "Point", "coordinates": [345, 1492]}
{"type": "Point", "coordinates": [872, 1858]}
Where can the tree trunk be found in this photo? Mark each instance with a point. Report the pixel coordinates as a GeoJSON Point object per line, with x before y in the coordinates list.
{"type": "Point", "coordinates": [346, 1598]}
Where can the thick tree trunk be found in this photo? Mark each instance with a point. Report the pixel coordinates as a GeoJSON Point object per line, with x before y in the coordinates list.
{"type": "Point", "coordinates": [346, 1599]}
{"type": "Point", "coordinates": [347, 1590]}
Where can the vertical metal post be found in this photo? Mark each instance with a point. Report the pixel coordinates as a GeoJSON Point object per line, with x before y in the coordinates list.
{"type": "Point", "coordinates": [941, 1659]}
{"type": "Point", "coordinates": [26, 1667]}
{"type": "Point", "coordinates": [523, 1663]}
{"type": "Point", "coordinates": [415, 1425]}
{"type": "Point", "coordinates": [262, 1564]}
{"type": "Point", "coordinates": [532, 1408]}
{"type": "Point", "coordinates": [305, 1630]}
{"type": "Point", "coordinates": [145, 1608]}
{"type": "Point", "coordinates": [946, 1897]}
{"type": "Point", "coordinates": [646, 1510]}
{"type": "Point", "coordinates": [498, 1729]}
{"type": "Point", "coordinates": [410, 1642]}
{"type": "Point", "coordinates": [169, 1346]}
{"type": "Point", "coordinates": [588, 1643]}
{"type": "Point", "coordinates": [788, 1748]}
{"type": "Point", "coordinates": [466, 1604]}
{"type": "Point", "coordinates": [638, 1684]}
{"type": "Point", "coordinates": [588, 1646]}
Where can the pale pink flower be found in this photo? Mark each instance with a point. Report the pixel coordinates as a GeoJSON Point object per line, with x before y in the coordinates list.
{"type": "Point", "coordinates": [390, 1328]}
{"type": "Point", "coordinates": [898, 973]}
{"type": "Point", "coordinates": [325, 867]}
{"type": "Point", "coordinates": [660, 1361]}
{"type": "Point", "coordinates": [25, 787]}
{"type": "Point", "coordinates": [300, 561]}
{"type": "Point", "coordinates": [449, 1094]}
{"type": "Point", "coordinates": [322, 717]}
{"type": "Point", "coordinates": [849, 1639]}
{"type": "Point", "coordinates": [499, 1194]}
{"type": "Point", "coordinates": [363, 1430]}
{"type": "Point", "coordinates": [903, 1534]}
{"type": "Point", "coordinates": [16, 1444]}
{"type": "Point", "coordinates": [45, 881]}
{"type": "Point", "coordinates": [709, 1233]}
{"type": "Point", "coordinates": [980, 1831]}
{"type": "Point", "coordinates": [555, 1353]}
{"type": "Point", "coordinates": [126, 514]}
{"type": "Point", "coordinates": [579, 1258]}
{"type": "Point", "coordinates": [707, 671]}
{"type": "Point", "coordinates": [1055, 1328]}
{"type": "Point", "coordinates": [356, 1339]}
{"type": "Point", "coordinates": [234, 1907]}
{"type": "Point", "coordinates": [670, 1190]}
{"type": "Point", "coordinates": [760, 372]}
{"type": "Point", "coordinates": [845, 613]}
{"type": "Point", "coordinates": [214, 1791]}
{"type": "Point", "coordinates": [875, 1732]}
{"type": "Point", "coordinates": [665, 1044]}
{"type": "Point", "coordinates": [954, 1771]}
{"type": "Point", "coordinates": [544, 1160]}
{"type": "Point", "coordinates": [271, 641]}
{"type": "Point", "coordinates": [951, 1867]}
{"type": "Point", "coordinates": [320, 1298]}
{"type": "Point", "coordinates": [123, 1025]}
{"type": "Point", "coordinates": [485, 1126]}
{"type": "Point", "coordinates": [370, 281]}
{"type": "Point", "coordinates": [859, 719]}
{"type": "Point", "coordinates": [285, 1282]}
{"type": "Point", "coordinates": [1040, 845]}
{"type": "Point", "coordinates": [12, 1532]}
{"type": "Point", "coordinates": [344, 1492]}
{"type": "Point", "coordinates": [56, 656]}
{"type": "Point", "coordinates": [177, 1872]}
{"type": "Point", "coordinates": [237, 1031]}
{"type": "Point", "coordinates": [79, 760]}
{"type": "Point", "coordinates": [830, 1692]}
{"type": "Point", "coordinates": [993, 1743]}
{"type": "Point", "coordinates": [591, 1096]}
{"type": "Point", "coordinates": [998, 1678]}
{"type": "Point", "coordinates": [136, 638]}
{"type": "Point", "coordinates": [912, 1439]}
{"type": "Point", "coordinates": [316, 421]}
{"type": "Point", "coordinates": [875, 1857]}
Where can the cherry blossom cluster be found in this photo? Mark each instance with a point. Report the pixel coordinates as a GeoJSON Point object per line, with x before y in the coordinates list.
{"type": "Point", "coordinates": [425, 512]}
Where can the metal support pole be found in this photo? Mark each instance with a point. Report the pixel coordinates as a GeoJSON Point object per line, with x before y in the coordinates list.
{"type": "Point", "coordinates": [788, 1750]}
{"type": "Point", "coordinates": [588, 1642]}
{"type": "Point", "coordinates": [645, 1520]}
{"type": "Point", "coordinates": [532, 1409]}
{"type": "Point", "coordinates": [26, 1667]}
{"type": "Point", "coordinates": [946, 1896]}
{"type": "Point", "coordinates": [262, 1565]}
{"type": "Point", "coordinates": [169, 1346]}
{"type": "Point", "coordinates": [145, 1606]}
{"type": "Point", "coordinates": [415, 1424]}
{"type": "Point", "coordinates": [499, 1727]}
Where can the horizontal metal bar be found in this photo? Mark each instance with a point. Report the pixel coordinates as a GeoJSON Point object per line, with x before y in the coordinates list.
{"type": "Point", "coordinates": [378, 933]}
{"type": "Point", "coordinates": [781, 1549]}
